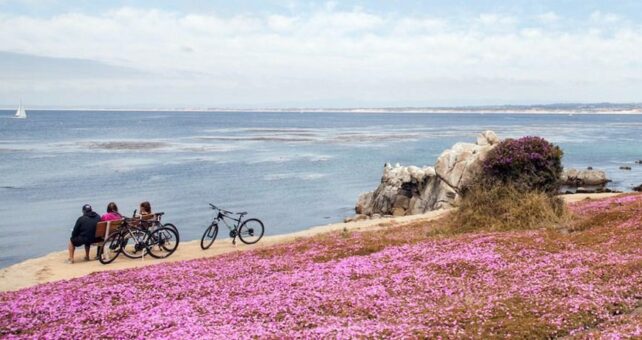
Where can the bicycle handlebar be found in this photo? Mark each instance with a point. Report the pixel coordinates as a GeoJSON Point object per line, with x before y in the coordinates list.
{"type": "Point", "coordinates": [222, 210]}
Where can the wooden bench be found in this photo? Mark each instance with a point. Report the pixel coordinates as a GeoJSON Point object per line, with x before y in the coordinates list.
{"type": "Point", "coordinates": [150, 219]}
{"type": "Point", "coordinates": [104, 229]}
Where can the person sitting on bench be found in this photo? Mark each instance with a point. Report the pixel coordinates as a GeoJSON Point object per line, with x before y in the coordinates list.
{"type": "Point", "coordinates": [145, 209]}
{"type": "Point", "coordinates": [112, 213]}
{"type": "Point", "coordinates": [84, 232]}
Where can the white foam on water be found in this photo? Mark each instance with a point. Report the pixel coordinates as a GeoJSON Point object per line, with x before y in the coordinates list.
{"type": "Point", "coordinates": [134, 146]}
{"type": "Point", "coordinates": [285, 158]}
{"type": "Point", "coordinates": [306, 176]}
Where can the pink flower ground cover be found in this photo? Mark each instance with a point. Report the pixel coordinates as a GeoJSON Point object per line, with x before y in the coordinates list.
{"type": "Point", "coordinates": [397, 283]}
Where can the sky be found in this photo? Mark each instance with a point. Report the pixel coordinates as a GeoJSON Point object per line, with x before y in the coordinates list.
{"type": "Point", "coordinates": [284, 54]}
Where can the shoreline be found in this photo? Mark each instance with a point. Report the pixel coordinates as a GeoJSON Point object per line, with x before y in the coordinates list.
{"type": "Point", "coordinates": [563, 112]}
{"type": "Point", "coordinates": [51, 267]}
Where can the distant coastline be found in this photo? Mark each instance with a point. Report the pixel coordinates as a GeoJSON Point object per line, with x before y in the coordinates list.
{"type": "Point", "coordinates": [562, 109]}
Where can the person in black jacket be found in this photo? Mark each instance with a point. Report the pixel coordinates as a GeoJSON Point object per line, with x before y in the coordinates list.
{"type": "Point", "coordinates": [84, 232]}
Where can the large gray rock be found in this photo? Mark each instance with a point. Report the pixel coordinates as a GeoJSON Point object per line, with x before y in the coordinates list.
{"type": "Point", "coordinates": [409, 190]}
{"type": "Point", "coordinates": [577, 178]}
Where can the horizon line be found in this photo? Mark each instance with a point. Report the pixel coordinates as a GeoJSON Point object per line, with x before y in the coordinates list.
{"type": "Point", "coordinates": [595, 107]}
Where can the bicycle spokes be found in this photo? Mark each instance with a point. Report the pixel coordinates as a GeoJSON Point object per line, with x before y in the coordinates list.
{"type": "Point", "coordinates": [162, 242]}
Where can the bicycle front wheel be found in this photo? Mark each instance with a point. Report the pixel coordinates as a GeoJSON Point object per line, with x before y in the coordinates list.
{"type": "Point", "coordinates": [251, 231]}
{"type": "Point", "coordinates": [162, 242]}
{"type": "Point", "coordinates": [209, 236]}
{"type": "Point", "coordinates": [110, 249]}
{"type": "Point", "coordinates": [133, 243]}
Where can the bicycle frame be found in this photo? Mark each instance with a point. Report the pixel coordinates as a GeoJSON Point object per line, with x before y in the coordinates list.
{"type": "Point", "coordinates": [127, 230]}
{"type": "Point", "coordinates": [248, 230]}
{"type": "Point", "coordinates": [223, 215]}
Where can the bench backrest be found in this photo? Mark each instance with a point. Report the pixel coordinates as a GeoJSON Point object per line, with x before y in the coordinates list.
{"type": "Point", "coordinates": [153, 216]}
{"type": "Point", "coordinates": [148, 217]}
{"type": "Point", "coordinates": [104, 227]}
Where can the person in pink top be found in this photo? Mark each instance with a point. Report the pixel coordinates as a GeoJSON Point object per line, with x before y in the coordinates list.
{"type": "Point", "coordinates": [112, 213]}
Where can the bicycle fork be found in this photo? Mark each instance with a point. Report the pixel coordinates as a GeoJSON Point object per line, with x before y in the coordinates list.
{"type": "Point", "coordinates": [235, 232]}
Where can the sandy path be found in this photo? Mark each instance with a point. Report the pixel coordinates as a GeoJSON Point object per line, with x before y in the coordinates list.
{"type": "Point", "coordinates": [51, 267]}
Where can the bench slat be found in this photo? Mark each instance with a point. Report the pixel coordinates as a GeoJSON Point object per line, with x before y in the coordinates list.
{"type": "Point", "coordinates": [102, 228]}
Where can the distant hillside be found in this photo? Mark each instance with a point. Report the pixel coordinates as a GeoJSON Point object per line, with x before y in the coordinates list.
{"type": "Point", "coordinates": [573, 108]}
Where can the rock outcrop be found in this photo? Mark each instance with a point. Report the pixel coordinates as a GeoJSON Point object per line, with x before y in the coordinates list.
{"type": "Point", "coordinates": [410, 190]}
{"type": "Point", "coordinates": [578, 178]}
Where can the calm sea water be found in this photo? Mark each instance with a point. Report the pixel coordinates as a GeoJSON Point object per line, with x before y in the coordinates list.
{"type": "Point", "coordinates": [292, 170]}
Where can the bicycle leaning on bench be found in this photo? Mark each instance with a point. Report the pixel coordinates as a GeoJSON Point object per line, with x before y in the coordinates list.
{"type": "Point", "coordinates": [134, 241]}
{"type": "Point", "coordinates": [249, 231]}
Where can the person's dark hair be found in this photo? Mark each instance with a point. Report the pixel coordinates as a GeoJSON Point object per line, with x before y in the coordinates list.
{"type": "Point", "coordinates": [146, 206]}
{"type": "Point", "coordinates": [112, 207]}
{"type": "Point", "coordinates": [86, 208]}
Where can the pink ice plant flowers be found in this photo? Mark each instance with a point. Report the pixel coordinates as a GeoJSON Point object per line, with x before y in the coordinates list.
{"type": "Point", "coordinates": [470, 286]}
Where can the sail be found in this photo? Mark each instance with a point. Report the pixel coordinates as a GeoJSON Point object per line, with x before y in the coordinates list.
{"type": "Point", "coordinates": [21, 112]}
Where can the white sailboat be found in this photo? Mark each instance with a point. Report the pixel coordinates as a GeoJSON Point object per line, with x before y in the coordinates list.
{"type": "Point", "coordinates": [21, 112]}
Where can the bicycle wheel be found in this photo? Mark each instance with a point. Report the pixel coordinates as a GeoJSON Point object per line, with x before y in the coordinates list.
{"type": "Point", "coordinates": [251, 231]}
{"type": "Point", "coordinates": [110, 250]}
{"type": "Point", "coordinates": [133, 243]}
{"type": "Point", "coordinates": [209, 236]}
{"type": "Point", "coordinates": [162, 242]}
{"type": "Point", "coordinates": [173, 227]}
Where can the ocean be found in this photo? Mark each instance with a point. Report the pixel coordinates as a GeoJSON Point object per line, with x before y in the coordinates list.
{"type": "Point", "coordinates": [291, 170]}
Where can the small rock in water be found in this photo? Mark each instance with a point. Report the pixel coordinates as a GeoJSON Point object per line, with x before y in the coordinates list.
{"type": "Point", "coordinates": [355, 218]}
{"type": "Point", "coordinates": [638, 161]}
{"type": "Point", "coordinates": [583, 190]}
{"type": "Point", "coordinates": [625, 168]}
{"type": "Point", "coordinates": [589, 168]}
{"type": "Point", "coordinates": [638, 188]}
{"type": "Point", "coordinates": [580, 178]}
{"type": "Point", "coordinates": [606, 190]}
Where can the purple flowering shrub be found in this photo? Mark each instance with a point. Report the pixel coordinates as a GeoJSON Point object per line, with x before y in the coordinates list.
{"type": "Point", "coordinates": [515, 189]}
{"type": "Point", "coordinates": [528, 164]}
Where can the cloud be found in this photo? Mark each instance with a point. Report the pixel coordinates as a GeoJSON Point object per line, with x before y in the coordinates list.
{"type": "Point", "coordinates": [548, 17]}
{"type": "Point", "coordinates": [492, 19]}
{"type": "Point", "coordinates": [604, 17]}
{"type": "Point", "coordinates": [327, 57]}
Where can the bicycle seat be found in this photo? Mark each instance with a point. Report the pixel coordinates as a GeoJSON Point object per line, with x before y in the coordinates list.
{"type": "Point", "coordinates": [159, 214]}
{"type": "Point", "coordinates": [242, 213]}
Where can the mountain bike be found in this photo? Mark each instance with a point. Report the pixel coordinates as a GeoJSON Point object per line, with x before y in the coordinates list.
{"type": "Point", "coordinates": [249, 231]}
{"type": "Point", "coordinates": [153, 222]}
{"type": "Point", "coordinates": [135, 242]}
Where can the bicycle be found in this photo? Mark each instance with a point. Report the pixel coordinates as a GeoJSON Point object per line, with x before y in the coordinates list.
{"type": "Point", "coordinates": [249, 231]}
{"type": "Point", "coordinates": [134, 242]}
{"type": "Point", "coordinates": [159, 243]}
{"type": "Point", "coordinates": [154, 222]}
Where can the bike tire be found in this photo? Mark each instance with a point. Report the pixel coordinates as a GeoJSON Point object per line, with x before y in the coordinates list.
{"type": "Point", "coordinates": [251, 231]}
{"type": "Point", "coordinates": [162, 243]}
{"type": "Point", "coordinates": [173, 227]}
{"type": "Point", "coordinates": [209, 236]}
{"type": "Point", "coordinates": [110, 249]}
{"type": "Point", "coordinates": [137, 248]}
